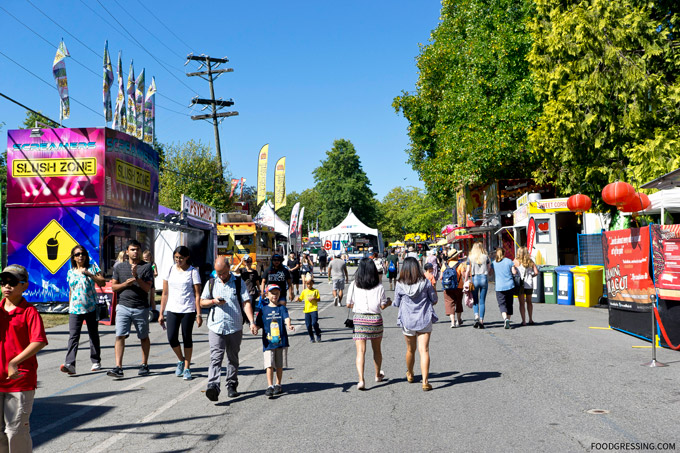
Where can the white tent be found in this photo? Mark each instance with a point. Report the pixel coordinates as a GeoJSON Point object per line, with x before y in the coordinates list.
{"type": "Point", "coordinates": [268, 217]}
{"type": "Point", "coordinates": [664, 200]}
{"type": "Point", "coordinates": [351, 225]}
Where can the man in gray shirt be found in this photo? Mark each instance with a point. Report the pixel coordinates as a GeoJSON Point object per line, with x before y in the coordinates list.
{"type": "Point", "coordinates": [337, 270]}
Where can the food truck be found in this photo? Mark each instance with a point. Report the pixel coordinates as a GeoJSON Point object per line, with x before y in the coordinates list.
{"type": "Point", "coordinates": [238, 235]}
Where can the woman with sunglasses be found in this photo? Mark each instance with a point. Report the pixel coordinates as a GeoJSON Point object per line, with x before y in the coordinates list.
{"type": "Point", "coordinates": [181, 297]}
{"type": "Point", "coordinates": [82, 307]}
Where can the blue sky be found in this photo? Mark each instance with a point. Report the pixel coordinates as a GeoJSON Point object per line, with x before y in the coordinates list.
{"type": "Point", "coordinates": [305, 73]}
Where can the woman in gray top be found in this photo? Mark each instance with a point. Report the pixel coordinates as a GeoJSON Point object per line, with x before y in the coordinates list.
{"type": "Point", "coordinates": [415, 297]}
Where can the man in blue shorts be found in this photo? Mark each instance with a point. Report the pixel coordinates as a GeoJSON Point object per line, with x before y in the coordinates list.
{"type": "Point", "coordinates": [132, 281]}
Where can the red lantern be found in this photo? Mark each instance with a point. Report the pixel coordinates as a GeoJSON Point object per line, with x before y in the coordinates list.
{"type": "Point", "coordinates": [618, 193]}
{"type": "Point", "coordinates": [640, 202]}
{"type": "Point", "coordinates": [579, 203]}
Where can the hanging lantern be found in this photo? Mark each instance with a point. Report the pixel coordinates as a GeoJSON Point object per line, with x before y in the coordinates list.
{"type": "Point", "coordinates": [640, 202]}
{"type": "Point", "coordinates": [579, 203]}
{"type": "Point", "coordinates": [618, 193]}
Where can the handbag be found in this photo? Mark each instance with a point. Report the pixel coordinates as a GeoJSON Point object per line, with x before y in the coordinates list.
{"type": "Point", "coordinates": [468, 299]}
{"type": "Point", "coordinates": [519, 282]}
{"type": "Point", "coordinates": [349, 322]}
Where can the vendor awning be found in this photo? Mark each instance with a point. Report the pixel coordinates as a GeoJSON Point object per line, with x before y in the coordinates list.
{"type": "Point", "coordinates": [154, 224]}
{"type": "Point", "coordinates": [667, 181]}
{"type": "Point", "coordinates": [466, 236]}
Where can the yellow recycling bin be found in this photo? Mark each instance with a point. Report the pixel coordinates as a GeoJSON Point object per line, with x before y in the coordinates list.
{"type": "Point", "coordinates": [587, 285]}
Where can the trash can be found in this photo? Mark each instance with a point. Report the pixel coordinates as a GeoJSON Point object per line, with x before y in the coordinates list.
{"type": "Point", "coordinates": [565, 285]}
{"type": "Point", "coordinates": [549, 284]}
{"type": "Point", "coordinates": [587, 285]}
{"type": "Point", "coordinates": [537, 296]}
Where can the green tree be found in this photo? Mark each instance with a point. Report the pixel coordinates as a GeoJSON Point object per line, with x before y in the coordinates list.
{"type": "Point", "coordinates": [410, 210]}
{"type": "Point", "coordinates": [606, 74]}
{"type": "Point", "coordinates": [473, 104]}
{"type": "Point", "coordinates": [32, 118]}
{"type": "Point", "coordinates": [341, 184]}
{"type": "Point", "coordinates": [191, 168]}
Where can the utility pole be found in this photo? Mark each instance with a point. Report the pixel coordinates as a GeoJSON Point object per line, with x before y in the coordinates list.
{"type": "Point", "coordinates": [211, 64]}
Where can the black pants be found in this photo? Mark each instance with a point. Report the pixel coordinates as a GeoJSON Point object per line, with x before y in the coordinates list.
{"type": "Point", "coordinates": [505, 301]}
{"type": "Point", "coordinates": [184, 320]}
{"type": "Point", "coordinates": [75, 325]}
{"type": "Point", "coordinates": [312, 322]}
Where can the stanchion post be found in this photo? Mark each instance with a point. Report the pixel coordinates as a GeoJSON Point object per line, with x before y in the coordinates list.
{"type": "Point", "coordinates": [653, 363]}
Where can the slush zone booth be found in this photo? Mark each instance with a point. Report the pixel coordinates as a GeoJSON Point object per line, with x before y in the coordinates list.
{"type": "Point", "coordinates": [95, 187]}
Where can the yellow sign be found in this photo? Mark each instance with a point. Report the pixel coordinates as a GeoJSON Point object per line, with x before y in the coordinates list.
{"type": "Point", "coordinates": [280, 184]}
{"type": "Point", "coordinates": [262, 174]}
{"type": "Point", "coordinates": [24, 168]}
{"type": "Point", "coordinates": [52, 246]}
{"type": "Point", "coordinates": [133, 176]}
{"type": "Point", "coordinates": [547, 206]}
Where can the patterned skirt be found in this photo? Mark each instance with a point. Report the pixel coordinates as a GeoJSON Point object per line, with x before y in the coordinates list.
{"type": "Point", "coordinates": [367, 326]}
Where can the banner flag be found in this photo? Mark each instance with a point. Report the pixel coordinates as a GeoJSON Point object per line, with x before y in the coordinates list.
{"type": "Point", "coordinates": [108, 82]}
{"type": "Point", "coordinates": [294, 220]}
{"type": "Point", "coordinates": [131, 124]}
{"type": "Point", "coordinates": [234, 183]}
{"type": "Point", "coordinates": [243, 183]}
{"type": "Point", "coordinates": [150, 112]}
{"type": "Point", "coordinates": [280, 184]}
{"type": "Point", "coordinates": [119, 119]}
{"type": "Point", "coordinates": [299, 226]}
{"type": "Point", "coordinates": [262, 174]}
{"type": "Point", "coordinates": [139, 100]}
{"type": "Point", "coordinates": [59, 72]}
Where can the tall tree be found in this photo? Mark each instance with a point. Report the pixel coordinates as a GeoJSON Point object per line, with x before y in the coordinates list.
{"type": "Point", "coordinates": [341, 184]}
{"type": "Point", "coordinates": [191, 168]}
{"type": "Point", "coordinates": [409, 210]}
{"type": "Point", "coordinates": [607, 75]}
{"type": "Point", "coordinates": [32, 118]}
{"type": "Point", "coordinates": [473, 103]}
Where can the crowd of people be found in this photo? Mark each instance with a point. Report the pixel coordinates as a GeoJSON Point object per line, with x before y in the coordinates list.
{"type": "Point", "coordinates": [237, 294]}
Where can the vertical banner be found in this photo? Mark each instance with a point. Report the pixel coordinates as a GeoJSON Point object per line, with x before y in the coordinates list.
{"type": "Point", "coordinates": [139, 105]}
{"type": "Point", "coordinates": [234, 183]}
{"type": "Point", "coordinates": [59, 72]}
{"type": "Point", "coordinates": [108, 82]}
{"type": "Point", "coordinates": [262, 174]}
{"type": "Point", "coordinates": [280, 184]}
{"type": "Point", "coordinates": [626, 266]}
{"type": "Point", "coordinates": [299, 227]}
{"type": "Point", "coordinates": [531, 235]}
{"type": "Point", "coordinates": [119, 119]}
{"type": "Point", "coordinates": [131, 125]}
{"type": "Point", "coordinates": [294, 221]}
{"type": "Point", "coordinates": [666, 252]}
{"type": "Point", "coordinates": [150, 112]}
{"type": "Point", "coordinates": [243, 183]}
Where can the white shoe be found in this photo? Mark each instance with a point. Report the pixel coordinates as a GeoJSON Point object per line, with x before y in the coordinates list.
{"type": "Point", "coordinates": [96, 366]}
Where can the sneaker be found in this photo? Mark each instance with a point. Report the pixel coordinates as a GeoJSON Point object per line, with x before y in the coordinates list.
{"type": "Point", "coordinates": [481, 326]}
{"type": "Point", "coordinates": [456, 323]}
{"type": "Point", "coordinates": [116, 372]}
{"type": "Point", "coordinates": [507, 323]}
{"type": "Point", "coordinates": [68, 369]}
{"type": "Point", "coordinates": [277, 389]}
{"type": "Point", "coordinates": [232, 392]}
{"type": "Point", "coordinates": [318, 338]}
{"type": "Point", "coordinates": [460, 322]}
{"type": "Point", "coordinates": [476, 324]}
{"type": "Point", "coordinates": [96, 366]}
{"type": "Point", "coordinates": [335, 301]}
{"type": "Point", "coordinates": [179, 371]}
{"type": "Point", "coordinates": [269, 393]}
{"type": "Point", "coordinates": [311, 340]}
{"type": "Point", "coordinates": [186, 375]}
{"type": "Point", "coordinates": [212, 392]}
{"type": "Point", "coordinates": [143, 370]}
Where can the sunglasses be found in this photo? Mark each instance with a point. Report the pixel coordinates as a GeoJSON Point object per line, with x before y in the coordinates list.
{"type": "Point", "coordinates": [11, 281]}
{"type": "Point", "coordinates": [75, 255]}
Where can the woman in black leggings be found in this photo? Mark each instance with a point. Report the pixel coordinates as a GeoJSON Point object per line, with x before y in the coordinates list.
{"type": "Point", "coordinates": [181, 296]}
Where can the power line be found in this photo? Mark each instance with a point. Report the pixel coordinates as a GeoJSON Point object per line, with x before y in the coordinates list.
{"type": "Point", "coordinates": [163, 24]}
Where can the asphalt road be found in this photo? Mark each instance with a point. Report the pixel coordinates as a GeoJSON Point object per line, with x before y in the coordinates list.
{"type": "Point", "coordinates": [524, 389]}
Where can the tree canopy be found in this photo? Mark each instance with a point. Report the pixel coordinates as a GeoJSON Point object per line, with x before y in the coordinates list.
{"type": "Point", "coordinates": [606, 74]}
{"type": "Point", "coordinates": [32, 118]}
{"type": "Point", "coordinates": [341, 184]}
{"type": "Point", "coordinates": [473, 104]}
{"type": "Point", "coordinates": [410, 210]}
{"type": "Point", "coordinates": [191, 168]}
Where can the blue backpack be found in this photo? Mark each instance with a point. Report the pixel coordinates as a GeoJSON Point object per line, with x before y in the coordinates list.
{"type": "Point", "coordinates": [391, 267]}
{"type": "Point", "coordinates": [450, 277]}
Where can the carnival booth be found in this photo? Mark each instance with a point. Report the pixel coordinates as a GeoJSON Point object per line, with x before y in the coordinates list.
{"type": "Point", "coordinates": [350, 233]}
{"type": "Point", "coordinates": [95, 187]}
{"type": "Point", "coordinates": [267, 217]}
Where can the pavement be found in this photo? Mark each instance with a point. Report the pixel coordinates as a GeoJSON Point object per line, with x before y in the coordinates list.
{"type": "Point", "coordinates": [567, 383]}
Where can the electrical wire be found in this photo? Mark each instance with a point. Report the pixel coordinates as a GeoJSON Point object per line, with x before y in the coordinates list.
{"type": "Point", "coordinates": [163, 24]}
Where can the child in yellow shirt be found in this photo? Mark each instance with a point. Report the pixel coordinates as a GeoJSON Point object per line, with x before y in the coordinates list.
{"type": "Point", "coordinates": [310, 296]}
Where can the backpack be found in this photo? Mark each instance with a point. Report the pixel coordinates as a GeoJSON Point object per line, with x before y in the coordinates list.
{"type": "Point", "coordinates": [391, 267]}
{"type": "Point", "coordinates": [239, 297]}
{"type": "Point", "coordinates": [378, 264]}
{"type": "Point", "coordinates": [450, 277]}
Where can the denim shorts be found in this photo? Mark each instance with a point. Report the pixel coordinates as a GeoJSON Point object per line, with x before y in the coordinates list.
{"type": "Point", "coordinates": [126, 316]}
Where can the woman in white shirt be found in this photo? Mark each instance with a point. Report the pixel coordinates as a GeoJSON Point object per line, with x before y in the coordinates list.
{"type": "Point", "coordinates": [181, 297]}
{"type": "Point", "coordinates": [366, 296]}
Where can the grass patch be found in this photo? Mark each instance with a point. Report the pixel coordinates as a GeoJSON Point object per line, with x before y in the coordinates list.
{"type": "Point", "coordinates": [54, 319]}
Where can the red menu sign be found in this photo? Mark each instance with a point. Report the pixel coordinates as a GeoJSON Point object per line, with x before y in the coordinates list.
{"type": "Point", "coordinates": [666, 247]}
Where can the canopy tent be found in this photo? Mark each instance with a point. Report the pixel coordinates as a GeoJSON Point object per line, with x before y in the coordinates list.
{"type": "Point", "coordinates": [268, 217]}
{"type": "Point", "coordinates": [441, 242]}
{"type": "Point", "coordinates": [351, 225]}
{"type": "Point", "coordinates": [662, 201]}
{"type": "Point", "coordinates": [396, 244]}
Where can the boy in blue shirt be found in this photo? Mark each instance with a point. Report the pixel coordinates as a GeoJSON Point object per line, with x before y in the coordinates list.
{"type": "Point", "coordinates": [271, 318]}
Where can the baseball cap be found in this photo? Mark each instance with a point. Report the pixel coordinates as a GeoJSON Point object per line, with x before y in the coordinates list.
{"type": "Point", "coordinates": [15, 270]}
{"type": "Point", "coordinates": [277, 257]}
{"type": "Point", "coordinates": [271, 288]}
{"type": "Point", "coordinates": [247, 258]}
{"type": "Point", "coordinates": [306, 252]}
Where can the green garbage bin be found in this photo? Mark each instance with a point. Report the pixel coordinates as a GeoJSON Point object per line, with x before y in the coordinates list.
{"type": "Point", "coordinates": [549, 284]}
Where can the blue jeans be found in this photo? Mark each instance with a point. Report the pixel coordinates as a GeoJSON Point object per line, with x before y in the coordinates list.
{"type": "Point", "coordinates": [481, 283]}
{"type": "Point", "coordinates": [312, 322]}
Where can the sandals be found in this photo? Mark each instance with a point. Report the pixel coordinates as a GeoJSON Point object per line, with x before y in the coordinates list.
{"type": "Point", "coordinates": [409, 377]}
{"type": "Point", "coordinates": [380, 377]}
{"type": "Point", "coordinates": [427, 387]}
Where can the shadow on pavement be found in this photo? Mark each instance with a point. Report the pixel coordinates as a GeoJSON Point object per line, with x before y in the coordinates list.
{"type": "Point", "coordinates": [436, 378]}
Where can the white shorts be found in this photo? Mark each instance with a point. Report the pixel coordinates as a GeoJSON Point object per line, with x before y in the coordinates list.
{"type": "Point", "coordinates": [413, 333]}
{"type": "Point", "coordinates": [276, 358]}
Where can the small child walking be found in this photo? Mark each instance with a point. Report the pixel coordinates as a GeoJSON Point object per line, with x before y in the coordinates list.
{"type": "Point", "coordinates": [429, 274]}
{"type": "Point", "coordinates": [310, 296]}
{"type": "Point", "coordinates": [270, 319]}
